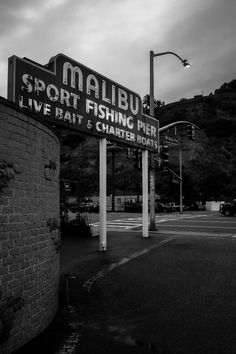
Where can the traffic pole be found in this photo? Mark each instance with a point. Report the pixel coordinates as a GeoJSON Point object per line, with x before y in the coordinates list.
{"type": "Point", "coordinates": [103, 194]}
{"type": "Point", "coordinates": [145, 192]}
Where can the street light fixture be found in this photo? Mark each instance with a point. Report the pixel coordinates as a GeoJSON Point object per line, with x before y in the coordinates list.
{"type": "Point", "coordinates": [152, 158]}
{"type": "Point", "coordinates": [186, 64]}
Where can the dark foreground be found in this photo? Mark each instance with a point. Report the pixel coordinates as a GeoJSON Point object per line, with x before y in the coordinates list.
{"type": "Point", "coordinates": [165, 294]}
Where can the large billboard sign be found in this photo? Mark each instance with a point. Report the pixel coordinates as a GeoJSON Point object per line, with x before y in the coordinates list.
{"type": "Point", "coordinates": [67, 93]}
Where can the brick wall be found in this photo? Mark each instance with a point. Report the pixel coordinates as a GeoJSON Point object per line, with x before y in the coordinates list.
{"type": "Point", "coordinates": [29, 226]}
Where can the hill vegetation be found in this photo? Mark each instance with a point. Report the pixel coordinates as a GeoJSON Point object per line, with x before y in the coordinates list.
{"type": "Point", "coordinates": [209, 162]}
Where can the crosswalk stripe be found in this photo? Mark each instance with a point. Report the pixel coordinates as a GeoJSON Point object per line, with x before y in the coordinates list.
{"type": "Point", "coordinates": [136, 222]}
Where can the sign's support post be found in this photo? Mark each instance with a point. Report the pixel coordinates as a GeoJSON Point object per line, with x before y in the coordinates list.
{"type": "Point", "coordinates": [145, 191]}
{"type": "Point", "coordinates": [180, 181]}
{"type": "Point", "coordinates": [103, 194]}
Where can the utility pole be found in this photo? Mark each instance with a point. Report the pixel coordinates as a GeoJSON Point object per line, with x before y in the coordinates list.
{"type": "Point", "coordinates": [152, 226]}
{"type": "Point", "coordinates": [180, 177]}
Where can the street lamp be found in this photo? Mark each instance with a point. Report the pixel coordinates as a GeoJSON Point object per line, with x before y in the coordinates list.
{"type": "Point", "coordinates": [151, 112]}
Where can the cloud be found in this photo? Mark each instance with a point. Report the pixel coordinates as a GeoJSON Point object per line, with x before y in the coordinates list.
{"type": "Point", "coordinates": [114, 38]}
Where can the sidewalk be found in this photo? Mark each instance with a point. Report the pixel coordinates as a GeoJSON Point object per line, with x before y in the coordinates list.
{"type": "Point", "coordinates": [81, 264]}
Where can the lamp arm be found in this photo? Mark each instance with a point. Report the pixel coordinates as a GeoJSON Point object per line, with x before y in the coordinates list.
{"type": "Point", "coordinates": [178, 122]}
{"type": "Point", "coordinates": [165, 53]}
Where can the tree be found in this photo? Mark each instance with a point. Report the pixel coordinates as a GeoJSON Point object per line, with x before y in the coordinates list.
{"type": "Point", "coordinates": [146, 105]}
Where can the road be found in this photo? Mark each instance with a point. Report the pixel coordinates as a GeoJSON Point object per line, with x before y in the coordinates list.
{"type": "Point", "coordinates": [173, 292]}
{"type": "Point", "coordinates": [175, 296]}
{"type": "Point", "coordinates": [189, 222]}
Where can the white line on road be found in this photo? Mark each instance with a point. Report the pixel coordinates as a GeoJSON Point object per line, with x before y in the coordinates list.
{"type": "Point", "coordinates": [198, 233]}
{"type": "Point", "coordinates": [212, 221]}
{"type": "Point", "coordinates": [200, 226]}
{"type": "Point", "coordinates": [89, 283]}
{"type": "Point", "coordinates": [136, 222]}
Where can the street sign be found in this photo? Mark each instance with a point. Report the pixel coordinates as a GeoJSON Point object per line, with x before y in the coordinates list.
{"type": "Point", "coordinates": [170, 139]}
{"type": "Point", "coordinates": [68, 94]}
{"type": "Point", "coordinates": [175, 181]}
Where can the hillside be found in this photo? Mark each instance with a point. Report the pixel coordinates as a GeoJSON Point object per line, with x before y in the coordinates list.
{"type": "Point", "coordinates": [209, 162]}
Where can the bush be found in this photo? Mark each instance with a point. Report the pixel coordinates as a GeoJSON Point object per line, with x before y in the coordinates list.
{"type": "Point", "coordinates": [79, 227]}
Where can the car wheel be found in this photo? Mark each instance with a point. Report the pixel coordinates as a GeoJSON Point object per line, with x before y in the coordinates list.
{"type": "Point", "coordinates": [227, 212]}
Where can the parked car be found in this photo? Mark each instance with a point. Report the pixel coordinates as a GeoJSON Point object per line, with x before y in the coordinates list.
{"type": "Point", "coordinates": [163, 207]}
{"type": "Point", "coordinates": [160, 207]}
{"type": "Point", "coordinates": [133, 207]}
{"type": "Point", "coordinates": [228, 208]}
{"type": "Point", "coordinates": [85, 205]}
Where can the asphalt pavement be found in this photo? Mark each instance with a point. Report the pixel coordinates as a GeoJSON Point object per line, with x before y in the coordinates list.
{"type": "Point", "coordinates": [83, 266]}
{"type": "Point", "coordinates": [82, 262]}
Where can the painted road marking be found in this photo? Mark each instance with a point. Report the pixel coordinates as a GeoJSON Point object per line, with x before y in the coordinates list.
{"type": "Point", "coordinates": [121, 224]}
{"type": "Point", "coordinates": [89, 283]}
{"type": "Point", "coordinates": [198, 233]}
{"type": "Point", "coordinates": [199, 226]}
{"type": "Point", "coordinates": [136, 222]}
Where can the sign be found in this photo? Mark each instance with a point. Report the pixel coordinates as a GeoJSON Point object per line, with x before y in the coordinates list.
{"type": "Point", "coordinates": [170, 139]}
{"type": "Point", "coordinates": [175, 181]}
{"type": "Point", "coordinates": [68, 94]}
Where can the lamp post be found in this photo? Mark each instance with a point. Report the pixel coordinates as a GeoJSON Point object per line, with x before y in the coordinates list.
{"type": "Point", "coordinates": [185, 63]}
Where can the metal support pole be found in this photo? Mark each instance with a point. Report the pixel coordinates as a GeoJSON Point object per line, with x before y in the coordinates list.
{"type": "Point", "coordinates": [145, 191]}
{"type": "Point", "coordinates": [180, 181]}
{"type": "Point", "coordinates": [103, 194]}
{"type": "Point", "coordinates": [113, 180]}
{"type": "Point", "coordinates": [152, 226]}
{"type": "Point", "coordinates": [152, 170]}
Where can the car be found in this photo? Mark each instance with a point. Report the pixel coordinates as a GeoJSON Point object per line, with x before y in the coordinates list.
{"type": "Point", "coordinates": [228, 208]}
{"type": "Point", "coordinates": [161, 207]}
{"type": "Point", "coordinates": [133, 207]}
{"type": "Point", "coordinates": [85, 205]}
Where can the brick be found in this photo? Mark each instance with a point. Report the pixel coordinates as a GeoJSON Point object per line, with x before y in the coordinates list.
{"type": "Point", "coordinates": [19, 243]}
{"type": "Point", "coordinates": [7, 244]}
{"type": "Point", "coordinates": [3, 235]}
{"type": "Point", "coordinates": [15, 251]}
{"type": "Point", "coordinates": [29, 270]}
{"type": "Point", "coordinates": [7, 210]}
{"type": "Point", "coordinates": [7, 260]}
{"type": "Point", "coordinates": [3, 219]}
{"type": "Point", "coordinates": [25, 233]}
{"type": "Point", "coordinates": [19, 274]}
{"type": "Point", "coordinates": [25, 249]}
{"type": "Point", "coordinates": [20, 193]}
{"type": "Point", "coordinates": [25, 264]}
{"type": "Point", "coordinates": [3, 270]}
{"type": "Point", "coordinates": [19, 226]}
{"type": "Point", "coordinates": [15, 218]}
{"type": "Point", "coordinates": [14, 235]}
{"type": "Point", "coordinates": [19, 258]}
{"type": "Point", "coordinates": [4, 201]}
{"type": "Point", "coordinates": [6, 278]}
{"type": "Point", "coordinates": [14, 267]}
{"type": "Point", "coordinates": [8, 227]}
{"type": "Point", "coordinates": [7, 192]}
{"type": "Point", "coordinates": [4, 253]}
{"type": "Point", "coordinates": [35, 247]}
{"type": "Point", "coordinates": [13, 284]}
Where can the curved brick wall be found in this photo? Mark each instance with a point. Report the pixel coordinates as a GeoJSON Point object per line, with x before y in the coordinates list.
{"type": "Point", "coordinates": [29, 226]}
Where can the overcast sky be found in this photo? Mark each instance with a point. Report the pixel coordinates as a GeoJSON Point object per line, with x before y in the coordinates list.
{"type": "Point", "coordinates": [114, 37]}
